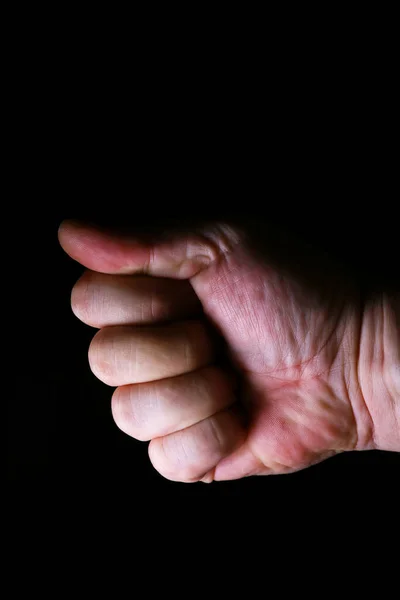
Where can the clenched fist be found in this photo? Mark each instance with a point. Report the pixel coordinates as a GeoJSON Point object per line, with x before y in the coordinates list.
{"type": "Point", "coordinates": [235, 350]}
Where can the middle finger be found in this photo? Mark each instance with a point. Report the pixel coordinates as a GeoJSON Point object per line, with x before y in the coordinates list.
{"type": "Point", "coordinates": [125, 355]}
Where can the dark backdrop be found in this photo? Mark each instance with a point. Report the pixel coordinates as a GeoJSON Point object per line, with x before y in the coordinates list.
{"type": "Point", "coordinates": [91, 150]}
{"type": "Point", "coordinates": [61, 433]}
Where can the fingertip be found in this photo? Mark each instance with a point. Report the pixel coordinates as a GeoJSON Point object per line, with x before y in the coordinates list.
{"type": "Point", "coordinates": [66, 231]}
{"type": "Point", "coordinates": [193, 454]}
{"type": "Point", "coordinates": [94, 247]}
{"type": "Point", "coordinates": [68, 224]}
{"type": "Point", "coordinates": [60, 231]}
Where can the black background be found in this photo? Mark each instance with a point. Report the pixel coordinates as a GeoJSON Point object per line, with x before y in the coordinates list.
{"type": "Point", "coordinates": [89, 148]}
{"type": "Point", "coordinates": [61, 434]}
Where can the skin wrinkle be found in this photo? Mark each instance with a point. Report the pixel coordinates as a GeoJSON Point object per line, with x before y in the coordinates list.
{"type": "Point", "coordinates": [303, 363]}
{"type": "Point", "coordinates": [355, 444]}
{"type": "Point", "coordinates": [221, 300]}
{"type": "Point", "coordinates": [182, 452]}
{"type": "Point", "coordinates": [263, 464]}
{"type": "Point", "coordinates": [313, 359]}
{"type": "Point", "coordinates": [358, 342]}
{"type": "Point", "coordinates": [278, 468]}
{"type": "Point", "coordinates": [148, 265]}
{"type": "Point", "coordinates": [103, 305]}
{"type": "Point", "coordinates": [152, 311]}
{"type": "Point", "coordinates": [222, 238]}
{"type": "Point", "coordinates": [388, 367]}
{"type": "Point", "coordinates": [216, 433]}
{"type": "Point", "coordinates": [131, 406]}
{"type": "Point", "coordinates": [202, 254]}
{"type": "Point", "coordinates": [209, 476]}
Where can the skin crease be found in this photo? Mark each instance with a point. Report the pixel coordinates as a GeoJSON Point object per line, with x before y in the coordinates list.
{"type": "Point", "coordinates": [291, 328]}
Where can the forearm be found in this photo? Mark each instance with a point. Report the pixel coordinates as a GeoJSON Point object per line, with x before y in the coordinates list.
{"type": "Point", "coordinates": [379, 369]}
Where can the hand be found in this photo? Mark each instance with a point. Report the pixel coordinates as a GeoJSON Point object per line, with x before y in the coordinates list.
{"type": "Point", "coordinates": [237, 352]}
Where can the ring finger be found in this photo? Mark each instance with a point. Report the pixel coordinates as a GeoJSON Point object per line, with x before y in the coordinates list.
{"type": "Point", "coordinates": [158, 408]}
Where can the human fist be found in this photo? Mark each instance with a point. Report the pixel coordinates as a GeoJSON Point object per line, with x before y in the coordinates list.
{"type": "Point", "coordinates": [235, 351]}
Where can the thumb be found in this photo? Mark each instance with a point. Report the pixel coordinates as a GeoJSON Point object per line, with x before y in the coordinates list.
{"type": "Point", "coordinates": [175, 254]}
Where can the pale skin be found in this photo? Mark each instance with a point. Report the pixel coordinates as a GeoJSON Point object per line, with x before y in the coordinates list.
{"type": "Point", "coordinates": [234, 351]}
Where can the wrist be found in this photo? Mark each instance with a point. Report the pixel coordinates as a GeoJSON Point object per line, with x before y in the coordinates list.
{"type": "Point", "coordinates": [378, 370]}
